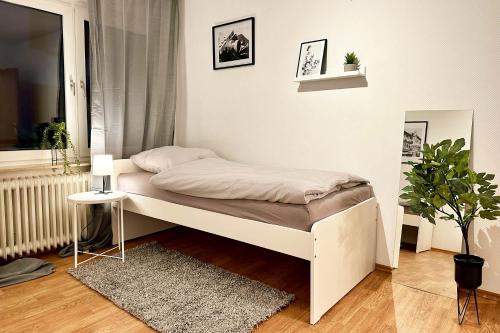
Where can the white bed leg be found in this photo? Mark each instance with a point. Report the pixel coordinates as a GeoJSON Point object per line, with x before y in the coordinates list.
{"type": "Point", "coordinates": [134, 225]}
{"type": "Point", "coordinates": [344, 254]}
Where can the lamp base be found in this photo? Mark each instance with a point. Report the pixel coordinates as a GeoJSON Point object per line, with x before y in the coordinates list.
{"type": "Point", "coordinates": [103, 192]}
{"type": "Point", "coordinates": [106, 188]}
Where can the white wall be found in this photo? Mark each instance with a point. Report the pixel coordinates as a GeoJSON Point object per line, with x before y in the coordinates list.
{"type": "Point", "coordinates": [426, 54]}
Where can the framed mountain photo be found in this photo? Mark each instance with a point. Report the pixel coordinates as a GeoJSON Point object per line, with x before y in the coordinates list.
{"type": "Point", "coordinates": [234, 44]}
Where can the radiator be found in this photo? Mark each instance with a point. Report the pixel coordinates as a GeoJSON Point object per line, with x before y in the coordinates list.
{"type": "Point", "coordinates": [35, 215]}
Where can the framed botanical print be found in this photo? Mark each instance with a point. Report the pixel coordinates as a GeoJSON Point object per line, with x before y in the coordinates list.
{"type": "Point", "coordinates": [312, 58]}
{"type": "Point", "coordinates": [415, 135]}
{"type": "Point", "coordinates": [233, 44]}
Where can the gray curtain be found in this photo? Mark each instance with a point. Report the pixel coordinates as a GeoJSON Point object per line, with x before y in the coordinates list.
{"type": "Point", "coordinates": [134, 60]}
{"type": "Point", "coordinates": [134, 55]}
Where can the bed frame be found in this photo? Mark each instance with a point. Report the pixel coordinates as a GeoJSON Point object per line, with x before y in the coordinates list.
{"type": "Point", "coordinates": [340, 248]}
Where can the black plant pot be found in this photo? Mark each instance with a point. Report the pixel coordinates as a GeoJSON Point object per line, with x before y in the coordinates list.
{"type": "Point", "coordinates": [468, 271]}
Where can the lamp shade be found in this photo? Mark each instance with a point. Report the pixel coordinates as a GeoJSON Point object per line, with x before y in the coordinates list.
{"type": "Point", "coordinates": [102, 165]}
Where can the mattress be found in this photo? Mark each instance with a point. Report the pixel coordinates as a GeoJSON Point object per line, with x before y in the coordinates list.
{"type": "Point", "coordinates": [296, 216]}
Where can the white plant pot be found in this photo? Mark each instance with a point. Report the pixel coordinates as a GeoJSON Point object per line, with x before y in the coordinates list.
{"type": "Point", "coordinates": [350, 67]}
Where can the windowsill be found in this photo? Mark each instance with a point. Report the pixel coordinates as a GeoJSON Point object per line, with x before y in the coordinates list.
{"type": "Point", "coordinates": [38, 167]}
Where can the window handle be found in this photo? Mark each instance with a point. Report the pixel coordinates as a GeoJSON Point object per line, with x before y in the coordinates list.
{"type": "Point", "coordinates": [82, 85]}
{"type": "Point", "coordinates": [72, 85]}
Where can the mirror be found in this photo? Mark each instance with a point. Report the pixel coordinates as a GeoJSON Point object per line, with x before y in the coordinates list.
{"type": "Point", "coordinates": [423, 251]}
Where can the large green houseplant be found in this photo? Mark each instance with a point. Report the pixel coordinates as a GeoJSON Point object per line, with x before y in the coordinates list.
{"type": "Point", "coordinates": [442, 184]}
{"type": "Point", "coordinates": [56, 137]}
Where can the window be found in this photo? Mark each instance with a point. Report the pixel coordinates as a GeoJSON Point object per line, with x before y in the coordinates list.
{"type": "Point", "coordinates": [32, 88]}
{"type": "Point", "coordinates": [44, 67]}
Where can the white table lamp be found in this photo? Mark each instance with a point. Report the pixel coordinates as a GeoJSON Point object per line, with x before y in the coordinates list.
{"type": "Point", "coordinates": [102, 165]}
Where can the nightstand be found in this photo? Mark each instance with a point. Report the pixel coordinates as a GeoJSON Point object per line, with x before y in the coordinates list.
{"type": "Point", "coordinates": [91, 198]}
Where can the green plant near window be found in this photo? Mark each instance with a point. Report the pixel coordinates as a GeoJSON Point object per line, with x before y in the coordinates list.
{"type": "Point", "coordinates": [443, 184]}
{"type": "Point", "coordinates": [55, 136]}
{"type": "Point", "coordinates": [351, 59]}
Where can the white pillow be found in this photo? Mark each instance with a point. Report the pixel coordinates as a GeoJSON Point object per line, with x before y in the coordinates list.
{"type": "Point", "coordinates": [159, 159]}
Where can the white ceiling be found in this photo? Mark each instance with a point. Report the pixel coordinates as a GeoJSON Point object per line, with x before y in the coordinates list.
{"type": "Point", "coordinates": [18, 23]}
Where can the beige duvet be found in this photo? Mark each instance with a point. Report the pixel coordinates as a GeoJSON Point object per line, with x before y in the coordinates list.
{"type": "Point", "coordinates": [217, 178]}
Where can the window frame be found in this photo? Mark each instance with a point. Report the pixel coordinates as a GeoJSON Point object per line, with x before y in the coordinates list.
{"type": "Point", "coordinates": [81, 15]}
{"type": "Point", "coordinates": [73, 111]}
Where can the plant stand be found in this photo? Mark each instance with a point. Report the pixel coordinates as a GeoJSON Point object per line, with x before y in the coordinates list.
{"type": "Point", "coordinates": [462, 311]}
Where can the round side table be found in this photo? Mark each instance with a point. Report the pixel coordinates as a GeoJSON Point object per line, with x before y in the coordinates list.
{"type": "Point", "coordinates": [91, 198]}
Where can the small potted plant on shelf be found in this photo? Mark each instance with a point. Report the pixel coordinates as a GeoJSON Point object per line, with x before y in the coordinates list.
{"type": "Point", "coordinates": [57, 138]}
{"type": "Point", "coordinates": [442, 184]}
{"type": "Point", "coordinates": [351, 62]}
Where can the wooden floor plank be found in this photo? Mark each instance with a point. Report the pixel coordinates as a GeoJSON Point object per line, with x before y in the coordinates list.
{"type": "Point", "coordinates": [60, 303]}
{"type": "Point", "coordinates": [431, 271]}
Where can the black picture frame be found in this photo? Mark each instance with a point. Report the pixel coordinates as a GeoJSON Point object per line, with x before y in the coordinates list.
{"type": "Point", "coordinates": [251, 39]}
{"type": "Point", "coordinates": [323, 58]}
{"type": "Point", "coordinates": [424, 125]}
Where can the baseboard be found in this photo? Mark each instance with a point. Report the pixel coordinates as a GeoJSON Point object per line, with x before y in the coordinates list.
{"type": "Point", "coordinates": [383, 268]}
{"type": "Point", "coordinates": [488, 294]}
{"type": "Point", "coordinates": [444, 251]}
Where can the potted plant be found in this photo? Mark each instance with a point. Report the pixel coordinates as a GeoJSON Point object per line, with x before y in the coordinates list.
{"type": "Point", "coordinates": [442, 184]}
{"type": "Point", "coordinates": [57, 138]}
{"type": "Point", "coordinates": [351, 62]}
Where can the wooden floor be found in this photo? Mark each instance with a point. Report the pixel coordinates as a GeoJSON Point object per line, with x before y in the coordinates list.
{"type": "Point", "coordinates": [59, 303]}
{"type": "Point", "coordinates": [431, 271]}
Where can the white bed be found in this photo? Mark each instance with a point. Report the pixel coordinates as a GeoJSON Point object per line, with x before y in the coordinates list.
{"type": "Point", "coordinates": [340, 248]}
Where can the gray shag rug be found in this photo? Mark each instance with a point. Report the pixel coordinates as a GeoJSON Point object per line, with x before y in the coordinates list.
{"type": "Point", "coordinates": [172, 292]}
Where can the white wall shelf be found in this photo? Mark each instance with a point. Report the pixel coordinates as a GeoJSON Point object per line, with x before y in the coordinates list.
{"type": "Point", "coordinates": [333, 76]}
